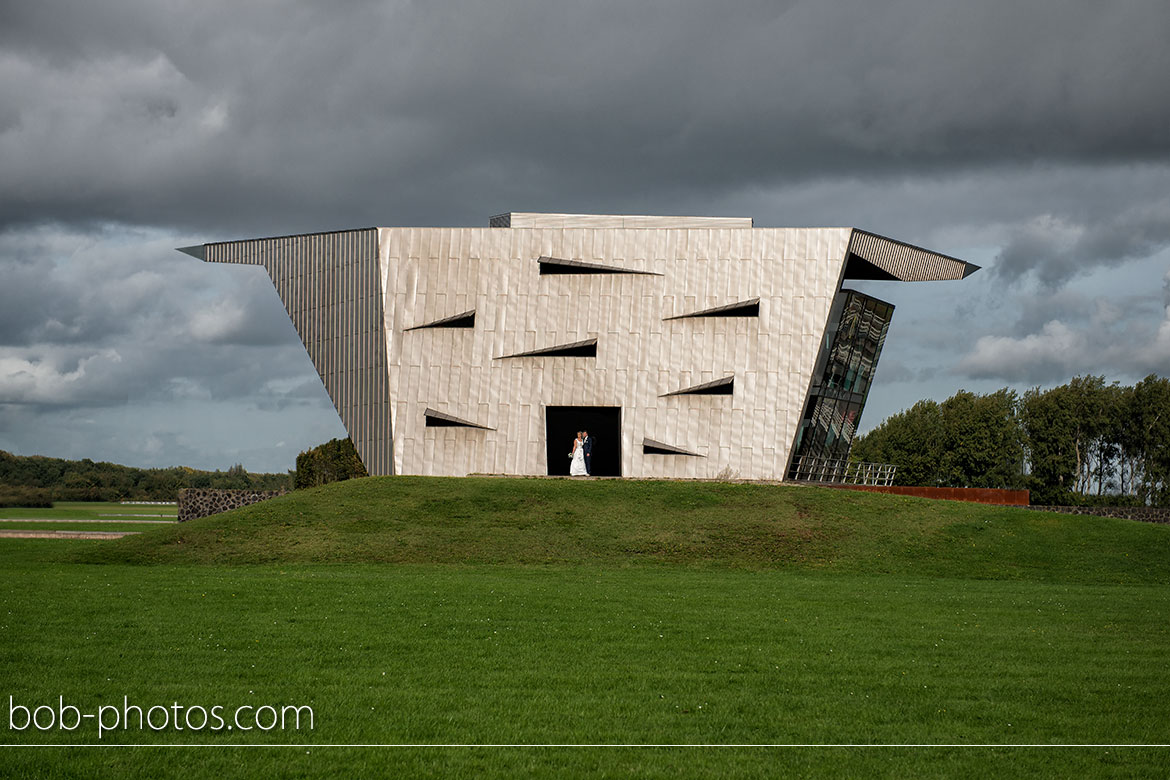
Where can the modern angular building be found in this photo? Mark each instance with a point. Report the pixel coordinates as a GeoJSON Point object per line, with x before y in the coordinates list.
{"type": "Point", "coordinates": [687, 346]}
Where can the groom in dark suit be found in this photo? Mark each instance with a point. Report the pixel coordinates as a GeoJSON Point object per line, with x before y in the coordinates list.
{"type": "Point", "coordinates": [587, 447]}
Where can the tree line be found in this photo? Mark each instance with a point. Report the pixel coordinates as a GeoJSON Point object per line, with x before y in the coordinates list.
{"type": "Point", "coordinates": [1086, 441]}
{"type": "Point", "coordinates": [35, 480]}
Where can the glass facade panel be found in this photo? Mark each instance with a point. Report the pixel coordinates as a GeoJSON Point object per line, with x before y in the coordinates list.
{"type": "Point", "coordinates": [857, 330]}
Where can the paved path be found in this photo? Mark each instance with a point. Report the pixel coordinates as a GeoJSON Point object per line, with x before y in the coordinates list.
{"type": "Point", "coordinates": [16, 534]}
{"type": "Point", "coordinates": [136, 514]}
{"type": "Point", "coordinates": [133, 515]}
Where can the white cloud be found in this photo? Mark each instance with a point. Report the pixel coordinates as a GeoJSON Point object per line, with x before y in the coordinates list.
{"type": "Point", "coordinates": [1056, 348]}
{"type": "Point", "coordinates": [1123, 336]}
{"type": "Point", "coordinates": [1155, 357]}
{"type": "Point", "coordinates": [46, 381]}
{"type": "Point", "coordinates": [217, 321]}
{"type": "Point", "coordinates": [1055, 248]}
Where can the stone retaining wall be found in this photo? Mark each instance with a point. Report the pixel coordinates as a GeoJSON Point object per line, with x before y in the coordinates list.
{"type": "Point", "coordinates": [1146, 514]}
{"type": "Point", "coordinates": [201, 502]}
{"type": "Point", "coordinates": [973, 495]}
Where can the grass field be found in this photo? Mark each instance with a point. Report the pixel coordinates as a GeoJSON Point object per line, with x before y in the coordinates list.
{"type": "Point", "coordinates": [550, 611]}
{"type": "Point", "coordinates": [633, 523]}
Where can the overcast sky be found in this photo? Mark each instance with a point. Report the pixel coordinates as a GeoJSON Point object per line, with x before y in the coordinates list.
{"type": "Point", "coordinates": [1032, 138]}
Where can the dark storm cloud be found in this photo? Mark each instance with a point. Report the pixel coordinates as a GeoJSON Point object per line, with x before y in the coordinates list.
{"type": "Point", "coordinates": [229, 117]}
{"type": "Point", "coordinates": [95, 324]}
{"type": "Point", "coordinates": [69, 288]}
{"type": "Point", "coordinates": [73, 288]}
{"type": "Point", "coordinates": [1055, 249]}
{"type": "Point", "coordinates": [1030, 132]}
{"type": "Point", "coordinates": [1057, 337]}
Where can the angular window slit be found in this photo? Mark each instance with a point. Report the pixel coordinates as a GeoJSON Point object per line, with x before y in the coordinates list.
{"type": "Point", "coordinates": [652, 447]}
{"type": "Point", "coordinates": [724, 386]}
{"type": "Point", "coordinates": [749, 308]}
{"type": "Point", "coordinates": [586, 348]}
{"type": "Point", "coordinates": [464, 320]}
{"type": "Point", "coordinates": [555, 265]}
{"type": "Point", "coordinates": [436, 419]}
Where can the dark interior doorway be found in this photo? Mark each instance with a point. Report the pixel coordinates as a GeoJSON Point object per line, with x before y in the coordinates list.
{"type": "Point", "coordinates": [604, 424]}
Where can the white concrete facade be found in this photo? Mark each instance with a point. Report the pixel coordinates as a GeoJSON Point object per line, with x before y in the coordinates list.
{"type": "Point", "coordinates": [639, 279]}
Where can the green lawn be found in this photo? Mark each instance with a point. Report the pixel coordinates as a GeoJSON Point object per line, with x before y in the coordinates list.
{"type": "Point", "coordinates": [499, 611]}
{"type": "Point", "coordinates": [634, 523]}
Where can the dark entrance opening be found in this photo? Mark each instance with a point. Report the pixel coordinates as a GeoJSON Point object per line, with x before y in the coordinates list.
{"type": "Point", "coordinates": [604, 424]}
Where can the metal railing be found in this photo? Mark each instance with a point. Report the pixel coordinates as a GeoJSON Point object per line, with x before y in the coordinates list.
{"type": "Point", "coordinates": [811, 468]}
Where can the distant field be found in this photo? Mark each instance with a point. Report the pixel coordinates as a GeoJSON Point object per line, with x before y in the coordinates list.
{"type": "Point", "coordinates": [86, 516]}
{"type": "Point", "coordinates": [544, 611]}
{"type": "Point", "coordinates": [70, 525]}
{"type": "Point", "coordinates": [91, 510]}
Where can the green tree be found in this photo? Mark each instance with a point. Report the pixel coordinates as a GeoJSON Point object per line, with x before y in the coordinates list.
{"type": "Point", "coordinates": [1150, 437]}
{"type": "Point", "coordinates": [1087, 399]}
{"type": "Point", "coordinates": [982, 441]}
{"type": "Point", "coordinates": [1106, 452]}
{"type": "Point", "coordinates": [332, 461]}
{"type": "Point", "coordinates": [912, 440]}
{"type": "Point", "coordinates": [1071, 434]}
{"type": "Point", "coordinates": [968, 440]}
{"type": "Point", "coordinates": [1047, 421]}
{"type": "Point", "coordinates": [1082, 442]}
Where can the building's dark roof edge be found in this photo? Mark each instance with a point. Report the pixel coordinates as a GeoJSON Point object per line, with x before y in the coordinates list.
{"type": "Point", "coordinates": [290, 235]}
{"type": "Point", "coordinates": [968, 268]}
{"type": "Point", "coordinates": [910, 246]}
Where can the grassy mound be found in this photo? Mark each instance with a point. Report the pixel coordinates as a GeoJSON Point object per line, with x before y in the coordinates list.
{"type": "Point", "coordinates": [614, 522]}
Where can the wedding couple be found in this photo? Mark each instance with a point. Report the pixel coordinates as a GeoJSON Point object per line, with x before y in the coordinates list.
{"type": "Point", "coordinates": [582, 455]}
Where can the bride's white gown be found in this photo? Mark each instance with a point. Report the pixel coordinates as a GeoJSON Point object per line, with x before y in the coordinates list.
{"type": "Point", "coordinates": [577, 467]}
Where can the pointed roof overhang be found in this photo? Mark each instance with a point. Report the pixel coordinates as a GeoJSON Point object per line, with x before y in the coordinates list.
{"type": "Point", "coordinates": [251, 251]}
{"type": "Point", "coordinates": [198, 251]}
{"type": "Point", "coordinates": [871, 256]}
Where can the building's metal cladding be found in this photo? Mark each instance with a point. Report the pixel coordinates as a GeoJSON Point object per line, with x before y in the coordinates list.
{"type": "Point", "coordinates": [701, 347]}
{"type": "Point", "coordinates": [330, 286]}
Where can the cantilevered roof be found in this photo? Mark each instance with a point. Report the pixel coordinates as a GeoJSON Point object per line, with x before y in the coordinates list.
{"type": "Point", "coordinates": [871, 256]}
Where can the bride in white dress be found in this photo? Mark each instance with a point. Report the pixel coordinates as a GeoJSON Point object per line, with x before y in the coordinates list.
{"type": "Point", "coordinates": [577, 467]}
